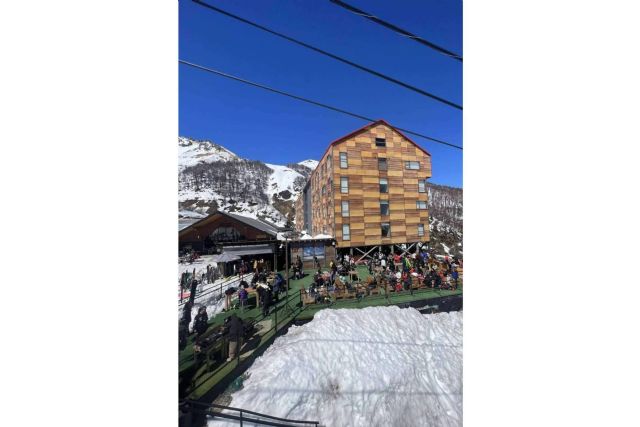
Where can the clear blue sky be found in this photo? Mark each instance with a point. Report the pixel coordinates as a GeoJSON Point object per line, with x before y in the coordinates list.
{"type": "Point", "coordinates": [260, 125]}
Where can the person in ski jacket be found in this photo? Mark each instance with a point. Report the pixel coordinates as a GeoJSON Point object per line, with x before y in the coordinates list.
{"type": "Point", "coordinates": [186, 313]}
{"type": "Point", "coordinates": [243, 296]}
{"type": "Point", "coordinates": [183, 335]}
{"type": "Point", "coordinates": [454, 276]}
{"type": "Point", "coordinates": [267, 301]}
{"type": "Point", "coordinates": [236, 331]}
{"type": "Point", "coordinates": [201, 322]}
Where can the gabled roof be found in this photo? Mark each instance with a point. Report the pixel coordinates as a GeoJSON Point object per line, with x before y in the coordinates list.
{"type": "Point", "coordinates": [367, 127]}
{"type": "Point", "coordinates": [261, 225]}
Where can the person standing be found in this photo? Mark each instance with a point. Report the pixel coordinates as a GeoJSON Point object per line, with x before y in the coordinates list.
{"type": "Point", "coordinates": [201, 322]}
{"type": "Point", "coordinates": [235, 336]}
{"type": "Point", "coordinates": [243, 296]}
{"type": "Point", "coordinates": [186, 314]}
{"type": "Point", "coordinates": [267, 301]}
{"type": "Point", "coordinates": [454, 276]}
{"type": "Point", "coordinates": [183, 335]}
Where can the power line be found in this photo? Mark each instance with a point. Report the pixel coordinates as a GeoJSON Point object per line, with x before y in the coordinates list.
{"type": "Point", "coordinates": [309, 101]}
{"type": "Point", "coordinates": [331, 55]}
{"type": "Point", "coordinates": [397, 29]}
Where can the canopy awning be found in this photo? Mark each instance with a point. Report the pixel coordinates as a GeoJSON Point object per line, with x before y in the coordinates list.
{"type": "Point", "coordinates": [225, 257]}
{"type": "Point", "coordinates": [248, 250]}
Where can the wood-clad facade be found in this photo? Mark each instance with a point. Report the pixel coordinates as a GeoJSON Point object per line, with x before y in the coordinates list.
{"type": "Point", "coordinates": [368, 189]}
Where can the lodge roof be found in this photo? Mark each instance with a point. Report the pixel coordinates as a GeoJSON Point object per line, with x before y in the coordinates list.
{"type": "Point", "coordinates": [261, 225]}
{"type": "Point", "coordinates": [366, 127]}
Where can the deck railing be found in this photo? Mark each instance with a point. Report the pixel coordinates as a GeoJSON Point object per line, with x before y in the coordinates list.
{"type": "Point", "coordinates": [213, 410]}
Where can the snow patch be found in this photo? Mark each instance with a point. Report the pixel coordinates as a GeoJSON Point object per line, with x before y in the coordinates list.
{"type": "Point", "coordinates": [376, 366]}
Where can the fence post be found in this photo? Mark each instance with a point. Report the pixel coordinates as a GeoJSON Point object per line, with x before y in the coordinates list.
{"type": "Point", "coordinates": [276, 314]}
{"type": "Point", "coordinates": [240, 418]}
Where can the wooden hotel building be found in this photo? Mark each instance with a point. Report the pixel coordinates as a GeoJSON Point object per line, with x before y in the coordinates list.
{"type": "Point", "coordinates": [369, 189]}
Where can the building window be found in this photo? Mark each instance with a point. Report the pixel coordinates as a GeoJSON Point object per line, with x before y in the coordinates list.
{"type": "Point", "coordinates": [343, 161]}
{"type": "Point", "coordinates": [382, 164]}
{"type": "Point", "coordinates": [412, 165]}
{"type": "Point", "coordinates": [384, 186]}
{"type": "Point", "coordinates": [421, 204]}
{"type": "Point", "coordinates": [344, 184]}
{"type": "Point", "coordinates": [384, 207]}
{"type": "Point", "coordinates": [385, 229]}
{"type": "Point", "coordinates": [422, 185]}
{"type": "Point", "coordinates": [346, 233]}
{"type": "Point", "coordinates": [420, 230]}
{"type": "Point", "coordinates": [345, 208]}
{"type": "Point", "coordinates": [381, 142]}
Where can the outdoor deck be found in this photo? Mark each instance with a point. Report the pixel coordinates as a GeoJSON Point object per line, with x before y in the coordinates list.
{"type": "Point", "coordinates": [288, 310]}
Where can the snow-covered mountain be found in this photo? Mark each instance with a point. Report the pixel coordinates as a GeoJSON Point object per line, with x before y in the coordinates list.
{"type": "Point", "coordinates": [310, 163]}
{"type": "Point", "coordinates": [192, 152]}
{"type": "Point", "coordinates": [212, 177]}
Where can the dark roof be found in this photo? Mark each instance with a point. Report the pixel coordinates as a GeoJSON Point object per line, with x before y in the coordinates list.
{"type": "Point", "coordinates": [261, 225]}
{"type": "Point", "coordinates": [255, 223]}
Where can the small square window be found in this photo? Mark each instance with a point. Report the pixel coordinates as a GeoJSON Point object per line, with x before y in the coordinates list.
{"type": "Point", "coordinates": [344, 184]}
{"type": "Point", "coordinates": [385, 229]}
{"type": "Point", "coordinates": [384, 185]}
{"type": "Point", "coordinates": [345, 208]}
{"type": "Point", "coordinates": [343, 161]}
{"type": "Point", "coordinates": [346, 233]}
{"type": "Point", "coordinates": [384, 207]}
{"type": "Point", "coordinates": [421, 204]}
{"type": "Point", "coordinates": [381, 142]}
{"type": "Point", "coordinates": [382, 164]}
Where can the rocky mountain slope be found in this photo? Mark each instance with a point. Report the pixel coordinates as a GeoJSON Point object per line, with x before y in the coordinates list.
{"type": "Point", "coordinates": [212, 177]}
{"type": "Point", "coordinates": [445, 219]}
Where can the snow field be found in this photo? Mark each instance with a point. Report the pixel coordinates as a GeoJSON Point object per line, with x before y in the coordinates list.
{"type": "Point", "coordinates": [375, 366]}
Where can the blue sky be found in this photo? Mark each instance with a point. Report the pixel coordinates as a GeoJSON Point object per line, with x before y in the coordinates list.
{"type": "Point", "coordinates": [260, 125]}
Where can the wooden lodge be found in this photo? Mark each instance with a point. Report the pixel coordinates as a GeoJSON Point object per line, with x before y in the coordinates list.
{"type": "Point", "coordinates": [369, 189]}
{"type": "Point", "coordinates": [225, 229]}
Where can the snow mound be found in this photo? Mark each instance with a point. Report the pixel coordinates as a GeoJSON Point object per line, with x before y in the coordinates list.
{"type": "Point", "coordinates": [376, 366]}
{"type": "Point", "coordinates": [310, 163]}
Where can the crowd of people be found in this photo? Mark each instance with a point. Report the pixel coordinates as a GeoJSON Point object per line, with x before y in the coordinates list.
{"type": "Point", "coordinates": [268, 293]}
{"type": "Point", "coordinates": [399, 271]}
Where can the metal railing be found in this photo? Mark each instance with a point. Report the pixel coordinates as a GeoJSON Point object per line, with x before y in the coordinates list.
{"type": "Point", "coordinates": [242, 415]}
{"type": "Point", "coordinates": [219, 287]}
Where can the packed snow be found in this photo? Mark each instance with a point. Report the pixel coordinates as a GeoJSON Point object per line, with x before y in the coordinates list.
{"type": "Point", "coordinates": [375, 366]}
